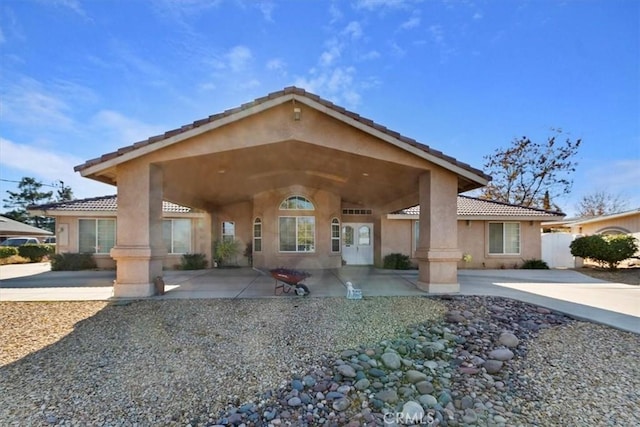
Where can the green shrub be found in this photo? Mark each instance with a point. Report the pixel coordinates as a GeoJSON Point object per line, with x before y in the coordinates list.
{"type": "Point", "coordinates": [72, 262]}
{"type": "Point", "coordinates": [35, 252]}
{"type": "Point", "coordinates": [225, 251]}
{"type": "Point", "coordinates": [8, 251]}
{"type": "Point", "coordinates": [397, 261]}
{"type": "Point", "coordinates": [608, 251]}
{"type": "Point", "coordinates": [534, 264]}
{"type": "Point", "coordinates": [193, 262]}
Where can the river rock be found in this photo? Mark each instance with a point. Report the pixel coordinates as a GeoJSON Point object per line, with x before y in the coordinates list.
{"type": "Point", "coordinates": [391, 360]}
{"type": "Point", "coordinates": [508, 339]}
{"type": "Point", "coordinates": [501, 354]}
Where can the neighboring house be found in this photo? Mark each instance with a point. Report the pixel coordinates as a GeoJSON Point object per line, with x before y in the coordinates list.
{"type": "Point", "coordinates": [287, 172]}
{"type": "Point", "coordinates": [12, 228]}
{"type": "Point", "coordinates": [89, 226]}
{"type": "Point", "coordinates": [627, 222]}
{"type": "Point", "coordinates": [558, 235]}
{"type": "Point", "coordinates": [490, 234]}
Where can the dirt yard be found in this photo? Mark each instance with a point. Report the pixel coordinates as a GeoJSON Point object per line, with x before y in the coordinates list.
{"type": "Point", "coordinates": [630, 276]}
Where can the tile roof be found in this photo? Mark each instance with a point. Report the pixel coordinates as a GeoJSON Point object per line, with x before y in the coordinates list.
{"type": "Point", "coordinates": [101, 204]}
{"type": "Point", "coordinates": [274, 95]}
{"type": "Point", "coordinates": [472, 206]}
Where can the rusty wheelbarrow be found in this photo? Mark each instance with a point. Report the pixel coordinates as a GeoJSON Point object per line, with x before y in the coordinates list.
{"type": "Point", "coordinates": [288, 279]}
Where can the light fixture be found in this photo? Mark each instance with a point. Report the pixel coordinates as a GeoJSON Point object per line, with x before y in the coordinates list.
{"type": "Point", "coordinates": [221, 171]}
{"type": "Point", "coordinates": [365, 174]}
{"type": "Point", "coordinates": [468, 223]}
{"type": "Point", "coordinates": [296, 113]}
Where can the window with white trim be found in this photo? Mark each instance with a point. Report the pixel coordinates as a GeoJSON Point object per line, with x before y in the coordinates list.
{"type": "Point", "coordinates": [257, 235]}
{"type": "Point", "coordinates": [228, 231]}
{"type": "Point", "coordinates": [96, 236]}
{"type": "Point", "coordinates": [297, 233]}
{"type": "Point", "coordinates": [335, 235]}
{"type": "Point", "coordinates": [176, 234]}
{"type": "Point", "coordinates": [296, 203]}
{"type": "Point", "coordinates": [504, 238]}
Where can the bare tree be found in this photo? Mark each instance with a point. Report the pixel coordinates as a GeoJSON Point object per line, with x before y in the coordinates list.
{"type": "Point", "coordinates": [601, 203]}
{"type": "Point", "coordinates": [531, 174]}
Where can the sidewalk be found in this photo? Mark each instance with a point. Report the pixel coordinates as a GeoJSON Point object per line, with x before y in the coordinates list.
{"type": "Point", "coordinates": [566, 291]}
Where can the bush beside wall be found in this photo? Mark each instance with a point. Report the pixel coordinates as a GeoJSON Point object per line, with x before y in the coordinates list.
{"type": "Point", "coordinates": [193, 262]}
{"type": "Point", "coordinates": [35, 253]}
{"type": "Point", "coordinates": [72, 262]}
{"type": "Point", "coordinates": [396, 261]}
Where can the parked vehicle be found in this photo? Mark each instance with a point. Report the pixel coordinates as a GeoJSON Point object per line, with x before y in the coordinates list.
{"type": "Point", "coordinates": [20, 241]}
{"type": "Point", "coordinates": [50, 240]}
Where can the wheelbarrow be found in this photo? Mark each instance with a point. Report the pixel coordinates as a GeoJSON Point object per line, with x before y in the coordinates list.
{"type": "Point", "coordinates": [288, 280]}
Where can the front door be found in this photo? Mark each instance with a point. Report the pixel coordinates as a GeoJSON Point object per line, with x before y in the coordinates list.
{"type": "Point", "coordinates": [357, 243]}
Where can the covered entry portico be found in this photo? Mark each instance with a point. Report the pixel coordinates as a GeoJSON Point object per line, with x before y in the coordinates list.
{"type": "Point", "coordinates": [284, 173]}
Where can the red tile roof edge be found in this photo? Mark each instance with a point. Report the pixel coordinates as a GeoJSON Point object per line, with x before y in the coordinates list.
{"type": "Point", "coordinates": [274, 95]}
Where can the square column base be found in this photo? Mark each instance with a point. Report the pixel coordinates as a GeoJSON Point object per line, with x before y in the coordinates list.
{"type": "Point", "coordinates": [439, 288]}
{"type": "Point", "coordinates": [133, 290]}
{"type": "Point", "coordinates": [136, 272]}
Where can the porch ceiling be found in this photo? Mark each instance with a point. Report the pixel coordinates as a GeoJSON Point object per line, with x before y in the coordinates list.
{"type": "Point", "coordinates": [236, 175]}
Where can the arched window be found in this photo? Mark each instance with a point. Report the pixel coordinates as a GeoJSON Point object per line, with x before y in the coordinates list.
{"type": "Point", "coordinates": [296, 203]}
{"type": "Point", "coordinates": [257, 235]}
{"type": "Point", "coordinates": [335, 235]}
{"type": "Point", "coordinates": [297, 233]}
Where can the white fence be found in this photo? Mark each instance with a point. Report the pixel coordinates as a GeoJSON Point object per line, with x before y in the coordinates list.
{"type": "Point", "coordinates": [556, 252]}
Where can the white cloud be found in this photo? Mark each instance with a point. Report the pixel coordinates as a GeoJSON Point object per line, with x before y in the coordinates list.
{"type": "Point", "coordinates": [378, 4]}
{"type": "Point", "coordinates": [335, 84]}
{"type": "Point", "coordinates": [353, 30]}
{"type": "Point", "coordinates": [238, 58]}
{"type": "Point", "coordinates": [437, 33]}
{"type": "Point", "coordinates": [28, 103]}
{"type": "Point", "coordinates": [277, 65]}
{"type": "Point", "coordinates": [116, 130]}
{"type": "Point", "coordinates": [19, 160]}
{"type": "Point", "coordinates": [412, 22]}
{"type": "Point", "coordinates": [266, 7]}
{"type": "Point", "coordinates": [73, 5]}
{"type": "Point", "coordinates": [373, 54]}
{"type": "Point", "coordinates": [477, 16]}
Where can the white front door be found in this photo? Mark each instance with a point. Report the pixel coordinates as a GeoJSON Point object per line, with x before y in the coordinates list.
{"type": "Point", "coordinates": [357, 243]}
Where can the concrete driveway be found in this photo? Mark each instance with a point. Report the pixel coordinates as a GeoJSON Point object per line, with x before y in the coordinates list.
{"type": "Point", "coordinates": [567, 291]}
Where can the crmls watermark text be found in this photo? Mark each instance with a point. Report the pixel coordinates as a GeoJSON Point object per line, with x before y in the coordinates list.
{"type": "Point", "coordinates": [416, 418]}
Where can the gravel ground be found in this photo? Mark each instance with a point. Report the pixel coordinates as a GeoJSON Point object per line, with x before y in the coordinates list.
{"type": "Point", "coordinates": [181, 362]}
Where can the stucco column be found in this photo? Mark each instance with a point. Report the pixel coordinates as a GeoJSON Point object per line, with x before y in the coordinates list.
{"type": "Point", "coordinates": [139, 247]}
{"type": "Point", "coordinates": [437, 250]}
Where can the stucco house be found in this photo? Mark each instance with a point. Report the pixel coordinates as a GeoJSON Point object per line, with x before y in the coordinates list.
{"type": "Point", "coordinates": [627, 222]}
{"type": "Point", "coordinates": [490, 234]}
{"type": "Point", "coordinates": [307, 182]}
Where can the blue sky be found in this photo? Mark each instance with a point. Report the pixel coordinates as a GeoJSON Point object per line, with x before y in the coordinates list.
{"type": "Point", "coordinates": [82, 78]}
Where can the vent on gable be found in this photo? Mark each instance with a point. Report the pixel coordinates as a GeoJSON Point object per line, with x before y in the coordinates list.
{"type": "Point", "coordinates": [356, 211]}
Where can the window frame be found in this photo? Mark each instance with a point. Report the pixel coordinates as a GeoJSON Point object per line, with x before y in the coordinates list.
{"type": "Point", "coordinates": [336, 237]}
{"type": "Point", "coordinates": [257, 239]}
{"type": "Point", "coordinates": [505, 238]}
{"type": "Point", "coordinates": [171, 248]}
{"type": "Point", "coordinates": [305, 204]}
{"type": "Point", "coordinates": [97, 239]}
{"type": "Point", "coordinates": [227, 237]}
{"type": "Point", "coordinates": [297, 219]}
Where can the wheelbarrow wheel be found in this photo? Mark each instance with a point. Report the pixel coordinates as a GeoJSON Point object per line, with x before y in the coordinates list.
{"type": "Point", "coordinates": [302, 290]}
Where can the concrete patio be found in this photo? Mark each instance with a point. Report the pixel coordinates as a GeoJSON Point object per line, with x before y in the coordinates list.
{"type": "Point", "coordinates": [567, 291]}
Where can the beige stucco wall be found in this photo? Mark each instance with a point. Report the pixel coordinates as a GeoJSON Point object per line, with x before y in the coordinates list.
{"type": "Point", "coordinates": [630, 224]}
{"type": "Point", "coordinates": [266, 207]}
{"type": "Point", "coordinates": [473, 237]}
{"type": "Point", "coordinates": [68, 238]}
